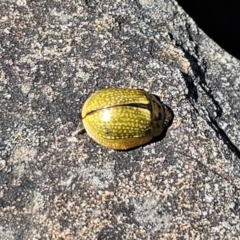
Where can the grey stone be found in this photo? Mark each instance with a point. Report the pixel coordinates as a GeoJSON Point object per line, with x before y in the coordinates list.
{"type": "Point", "coordinates": [54, 185]}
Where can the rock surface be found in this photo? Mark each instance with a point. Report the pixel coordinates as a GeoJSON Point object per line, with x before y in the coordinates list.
{"type": "Point", "coordinates": [54, 185]}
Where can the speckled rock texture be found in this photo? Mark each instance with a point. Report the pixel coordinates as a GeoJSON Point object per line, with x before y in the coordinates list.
{"type": "Point", "coordinates": [55, 184]}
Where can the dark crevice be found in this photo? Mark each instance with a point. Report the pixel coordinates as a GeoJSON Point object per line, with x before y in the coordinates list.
{"type": "Point", "coordinates": [199, 73]}
{"type": "Point", "coordinates": [223, 136]}
{"type": "Point", "coordinates": [192, 94]}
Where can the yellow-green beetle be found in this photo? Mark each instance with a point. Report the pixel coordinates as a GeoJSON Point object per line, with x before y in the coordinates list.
{"type": "Point", "coordinates": [122, 118]}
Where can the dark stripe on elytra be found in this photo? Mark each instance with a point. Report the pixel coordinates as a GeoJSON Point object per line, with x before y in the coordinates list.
{"type": "Point", "coordinates": [138, 105]}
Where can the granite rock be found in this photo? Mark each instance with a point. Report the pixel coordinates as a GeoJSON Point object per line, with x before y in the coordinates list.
{"type": "Point", "coordinates": [57, 185]}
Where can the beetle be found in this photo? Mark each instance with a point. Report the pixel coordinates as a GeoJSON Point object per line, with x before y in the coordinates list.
{"type": "Point", "coordinates": [124, 118]}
